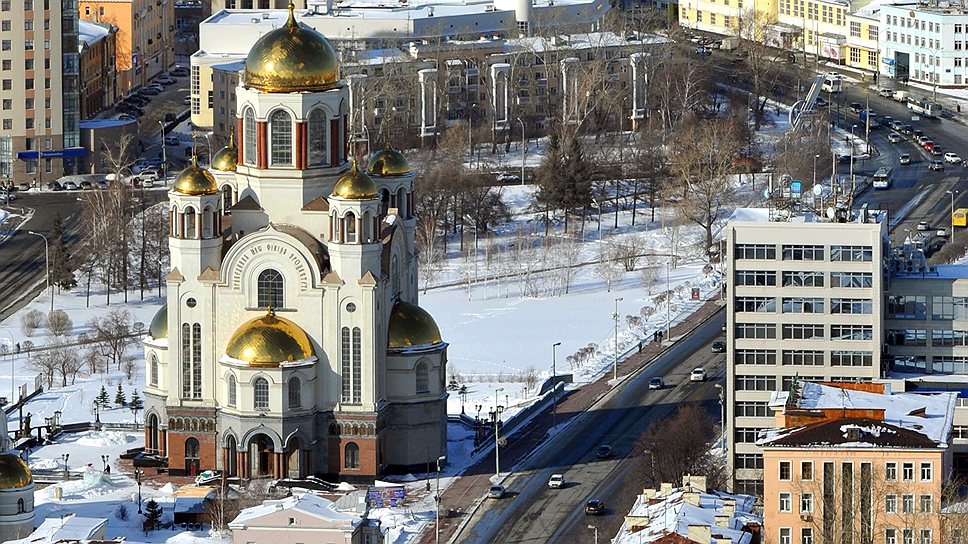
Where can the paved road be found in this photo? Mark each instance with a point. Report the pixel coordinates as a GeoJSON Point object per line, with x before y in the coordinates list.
{"type": "Point", "coordinates": [535, 513]}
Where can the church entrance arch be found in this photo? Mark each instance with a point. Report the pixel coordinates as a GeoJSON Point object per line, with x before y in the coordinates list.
{"type": "Point", "coordinates": [151, 429]}
{"type": "Point", "coordinates": [293, 455]}
{"type": "Point", "coordinates": [260, 451]}
{"type": "Point", "coordinates": [232, 448]}
{"type": "Point", "coordinates": [192, 461]}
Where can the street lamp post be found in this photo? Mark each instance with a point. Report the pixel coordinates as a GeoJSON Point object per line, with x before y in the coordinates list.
{"type": "Point", "coordinates": [815, 157]}
{"type": "Point", "coordinates": [592, 527]}
{"type": "Point", "coordinates": [722, 416]}
{"type": "Point", "coordinates": [46, 266]}
{"type": "Point", "coordinates": [137, 477]}
{"type": "Point", "coordinates": [164, 154]}
{"type": "Point", "coordinates": [554, 385]}
{"type": "Point", "coordinates": [668, 290]}
{"type": "Point", "coordinates": [615, 359]}
{"type": "Point", "coordinates": [66, 457]}
{"type": "Point", "coordinates": [524, 150]}
{"type": "Point", "coordinates": [497, 442]}
{"type": "Point", "coordinates": [852, 128]}
{"type": "Point", "coordinates": [437, 501]}
{"type": "Point", "coordinates": [952, 194]}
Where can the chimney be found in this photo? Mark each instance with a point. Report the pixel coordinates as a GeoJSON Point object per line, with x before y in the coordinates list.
{"type": "Point", "coordinates": [665, 488]}
{"type": "Point", "coordinates": [719, 539]}
{"type": "Point", "coordinates": [722, 520]}
{"type": "Point", "coordinates": [637, 523]}
{"type": "Point", "coordinates": [648, 493]}
{"type": "Point", "coordinates": [691, 497]}
{"type": "Point", "coordinates": [729, 507]}
{"type": "Point", "coordinates": [700, 534]}
{"type": "Point", "coordinates": [699, 482]}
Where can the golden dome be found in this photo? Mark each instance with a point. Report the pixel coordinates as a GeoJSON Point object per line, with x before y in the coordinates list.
{"type": "Point", "coordinates": [268, 341]}
{"type": "Point", "coordinates": [227, 158]}
{"type": "Point", "coordinates": [14, 472]}
{"type": "Point", "coordinates": [159, 324]}
{"type": "Point", "coordinates": [388, 162]}
{"type": "Point", "coordinates": [195, 181]}
{"type": "Point", "coordinates": [411, 325]}
{"type": "Point", "coordinates": [355, 185]}
{"type": "Point", "coordinates": [291, 58]}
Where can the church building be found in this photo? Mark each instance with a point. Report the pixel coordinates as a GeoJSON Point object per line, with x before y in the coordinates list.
{"type": "Point", "coordinates": [291, 343]}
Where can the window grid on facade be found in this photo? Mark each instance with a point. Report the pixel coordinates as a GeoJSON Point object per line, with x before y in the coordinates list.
{"type": "Point", "coordinates": [318, 146]}
{"type": "Point", "coordinates": [423, 378]}
{"type": "Point", "coordinates": [260, 394]}
{"type": "Point", "coordinates": [270, 289]}
{"type": "Point", "coordinates": [752, 409]}
{"type": "Point", "coordinates": [755, 357]}
{"type": "Point", "coordinates": [803, 357]}
{"type": "Point", "coordinates": [756, 330]}
{"type": "Point", "coordinates": [756, 304]}
{"type": "Point", "coordinates": [803, 331]}
{"type": "Point", "coordinates": [153, 371]}
{"type": "Point", "coordinates": [357, 365]}
{"type": "Point", "coordinates": [196, 361]}
{"type": "Point", "coordinates": [803, 253]}
{"type": "Point", "coordinates": [803, 305]}
{"type": "Point", "coordinates": [295, 393]}
{"type": "Point", "coordinates": [351, 456]}
{"type": "Point", "coordinates": [191, 361]}
{"type": "Point", "coordinates": [854, 306]}
{"type": "Point", "coordinates": [346, 368]}
{"type": "Point", "coordinates": [233, 391]}
{"type": "Point", "coordinates": [802, 279]}
{"type": "Point", "coordinates": [280, 129]}
{"type": "Point", "coordinates": [851, 332]}
{"type": "Point", "coordinates": [249, 140]}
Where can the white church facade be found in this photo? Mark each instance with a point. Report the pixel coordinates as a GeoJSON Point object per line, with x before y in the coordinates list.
{"type": "Point", "coordinates": [291, 343]}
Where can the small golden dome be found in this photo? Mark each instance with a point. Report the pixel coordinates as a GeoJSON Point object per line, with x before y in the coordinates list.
{"type": "Point", "coordinates": [291, 58]}
{"type": "Point", "coordinates": [268, 341]}
{"type": "Point", "coordinates": [195, 181]}
{"type": "Point", "coordinates": [14, 472]}
{"type": "Point", "coordinates": [158, 328]}
{"type": "Point", "coordinates": [388, 162]}
{"type": "Point", "coordinates": [411, 325]}
{"type": "Point", "coordinates": [355, 185]}
{"type": "Point", "coordinates": [227, 158]}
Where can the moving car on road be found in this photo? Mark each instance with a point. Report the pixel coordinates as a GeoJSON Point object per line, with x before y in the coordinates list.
{"type": "Point", "coordinates": [894, 137]}
{"type": "Point", "coordinates": [556, 481]}
{"type": "Point", "coordinates": [604, 451]}
{"type": "Point", "coordinates": [936, 165]}
{"type": "Point", "coordinates": [904, 159]}
{"type": "Point", "coordinates": [496, 492]}
{"type": "Point", "coordinates": [952, 158]}
{"type": "Point", "coordinates": [656, 383]}
{"type": "Point", "coordinates": [719, 346]}
{"type": "Point", "coordinates": [594, 507]}
{"type": "Point", "coordinates": [698, 375]}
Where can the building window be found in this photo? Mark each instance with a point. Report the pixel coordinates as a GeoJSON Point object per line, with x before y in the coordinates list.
{"type": "Point", "coordinates": [855, 29]}
{"type": "Point", "coordinates": [755, 277]}
{"type": "Point", "coordinates": [800, 331]}
{"type": "Point", "coordinates": [907, 536]}
{"type": "Point", "coordinates": [756, 304]}
{"type": "Point", "coordinates": [802, 305]}
{"type": "Point", "coordinates": [280, 129]}
{"type": "Point", "coordinates": [260, 394]}
{"type": "Point", "coordinates": [890, 504]}
{"type": "Point", "coordinates": [21, 506]}
{"type": "Point", "coordinates": [746, 435]}
{"type": "Point", "coordinates": [785, 537]}
{"type": "Point", "coordinates": [423, 378]}
{"type": "Point", "coordinates": [233, 391]}
{"type": "Point", "coordinates": [907, 504]}
{"type": "Point", "coordinates": [270, 289]}
{"type": "Point", "coordinates": [803, 357]}
{"type": "Point", "coordinates": [863, 280]}
{"type": "Point", "coordinates": [907, 472]}
{"type": "Point", "coordinates": [925, 536]}
{"type": "Point", "coordinates": [755, 251]}
{"type": "Point", "coordinates": [806, 503]}
{"type": "Point", "coordinates": [925, 504]}
{"type": "Point", "coordinates": [191, 361]}
{"type": "Point", "coordinates": [802, 253]}
{"type": "Point", "coordinates": [851, 306]}
{"type": "Point", "coordinates": [806, 535]}
{"type": "Point", "coordinates": [785, 470]}
{"type": "Point", "coordinates": [295, 393]}
{"type": "Point", "coordinates": [806, 470]}
{"type": "Point", "coordinates": [357, 365]}
{"type": "Point", "coordinates": [851, 332]}
{"type": "Point", "coordinates": [907, 307]}
{"type": "Point", "coordinates": [946, 364]}
{"type": "Point", "coordinates": [786, 502]}
{"type": "Point", "coordinates": [872, 57]}
{"type": "Point", "coordinates": [191, 449]}
{"type": "Point", "coordinates": [351, 456]}
{"type": "Point", "coordinates": [346, 365]}
{"type": "Point", "coordinates": [317, 137]}
{"type": "Point", "coordinates": [755, 383]}
{"type": "Point", "coordinates": [949, 308]}
{"type": "Point", "coordinates": [756, 330]}
{"type": "Point", "coordinates": [890, 536]}
{"type": "Point", "coordinates": [927, 472]}
{"type": "Point", "coordinates": [751, 409]}
{"type": "Point", "coordinates": [851, 358]}
{"type": "Point", "coordinates": [851, 253]}
{"type": "Point", "coordinates": [250, 128]}
{"type": "Point", "coordinates": [890, 472]}
{"type": "Point", "coordinates": [153, 371]}
{"type": "Point", "coordinates": [749, 460]}
{"type": "Point", "coordinates": [802, 279]}
{"type": "Point", "coordinates": [755, 357]}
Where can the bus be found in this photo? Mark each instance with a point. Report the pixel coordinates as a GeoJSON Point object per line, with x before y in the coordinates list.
{"type": "Point", "coordinates": [832, 83]}
{"type": "Point", "coordinates": [883, 178]}
{"type": "Point", "coordinates": [924, 107]}
{"type": "Point", "coordinates": [960, 218]}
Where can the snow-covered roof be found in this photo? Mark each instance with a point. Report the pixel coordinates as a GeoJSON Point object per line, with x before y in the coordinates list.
{"type": "Point", "coordinates": [89, 32]}
{"type": "Point", "coordinates": [306, 503]}
{"type": "Point", "coordinates": [763, 215]}
{"type": "Point", "coordinates": [70, 527]}
{"type": "Point", "coordinates": [904, 415]}
{"type": "Point", "coordinates": [653, 518]}
{"type": "Point", "coordinates": [589, 40]}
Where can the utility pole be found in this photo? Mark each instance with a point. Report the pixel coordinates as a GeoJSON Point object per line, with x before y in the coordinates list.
{"type": "Point", "coordinates": [554, 386]}
{"type": "Point", "coordinates": [615, 360]}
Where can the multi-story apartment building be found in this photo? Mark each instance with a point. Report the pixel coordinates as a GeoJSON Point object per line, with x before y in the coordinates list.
{"type": "Point", "coordinates": [851, 462]}
{"type": "Point", "coordinates": [863, 39]}
{"type": "Point", "coordinates": [925, 44]}
{"type": "Point", "coordinates": [97, 54]}
{"type": "Point", "coordinates": [816, 285]}
{"type": "Point", "coordinates": [40, 111]}
{"type": "Point", "coordinates": [144, 38]}
{"type": "Point", "coordinates": [721, 16]}
{"type": "Point", "coordinates": [822, 25]}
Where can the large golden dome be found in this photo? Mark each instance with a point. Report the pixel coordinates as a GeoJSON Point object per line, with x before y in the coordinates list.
{"type": "Point", "coordinates": [159, 324]}
{"type": "Point", "coordinates": [195, 181]}
{"type": "Point", "coordinates": [14, 472]}
{"type": "Point", "coordinates": [388, 162]}
{"type": "Point", "coordinates": [411, 325]}
{"type": "Point", "coordinates": [268, 341]}
{"type": "Point", "coordinates": [227, 158]}
{"type": "Point", "coordinates": [291, 58]}
{"type": "Point", "coordinates": [355, 185]}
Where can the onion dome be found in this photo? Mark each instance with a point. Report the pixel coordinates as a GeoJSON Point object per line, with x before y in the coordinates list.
{"type": "Point", "coordinates": [14, 472]}
{"type": "Point", "coordinates": [158, 328]}
{"type": "Point", "coordinates": [195, 181]}
{"type": "Point", "coordinates": [269, 340]}
{"type": "Point", "coordinates": [410, 326]}
{"type": "Point", "coordinates": [355, 185]}
{"type": "Point", "coordinates": [388, 162]}
{"type": "Point", "coordinates": [291, 58]}
{"type": "Point", "coordinates": [227, 158]}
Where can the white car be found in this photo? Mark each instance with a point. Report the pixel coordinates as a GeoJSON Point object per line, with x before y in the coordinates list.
{"type": "Point", "coordinates": [923, 226]}
{"type": "Point", "coordinates": [698, 375]}
{"type": "Point", "coordinates": [894, 137]}
{"type": "Point", "coordinates": [952, 158]}
{"type": "Point", "coordinates": [556, 481]}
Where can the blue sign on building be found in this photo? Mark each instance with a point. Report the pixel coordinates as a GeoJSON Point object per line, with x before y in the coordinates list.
{"type": "Point", "coordinates": [389, 496]}
{"type": "Point", "coordinates": [52, 153]}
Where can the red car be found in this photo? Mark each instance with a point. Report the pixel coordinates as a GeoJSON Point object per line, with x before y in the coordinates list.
{"type": "Point", "coordinates": [928, 145]}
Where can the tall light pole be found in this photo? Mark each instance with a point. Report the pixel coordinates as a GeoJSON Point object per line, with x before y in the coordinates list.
{"type": "Point", "coordinates": [722, 416]}
{"type": "Point", "coordinates": [815, 157]}
{"type": "Point", "coordinates": [668, 290]}
{"type": "Point", "coordinates": [66, 457]}
{"type": "Point", "coordinates": [46, 265]}
{"type": "Point", "coordinates": [593, 528]}
{"type": "Point", "coordinates": [437, 500]}
{"type": "Point", "coordinates": [615, 359]}
{"type": "Point", "coordinates": [164, 155]}
{"type": "Point", "coordinates": [952, 194]}
{"type": "Point", "coordinates": [524, 150]}
{"type": "Point", "coordinates": [852, 127]}
{"type": "Point", "coordinates": [554, 385]}
{"type": "Point", "coordinates": [497, 441]}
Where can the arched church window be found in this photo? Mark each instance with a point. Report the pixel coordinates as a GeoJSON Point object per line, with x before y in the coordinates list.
{"type": "Point", "coordinates": [233, 390]}
{"type": "Point", "coordinates": [349, 222]}
{"type": "Point", "coordinates": [280, 138]}
{"type": "Point", "coordinates": [351, 456]}
{"type": "Point", "coordinates": [270, 289]}
{"type": "Point", "coordinates": [317, 137]}
{"type": "Point", "coordinates": [191, 448]}
{"type": "Point", "coordinates": [346, 372]}
{"type": "Point", "coordinates": [153, 370]}
{"type": "Point", "coordinates": [357, 366]}
{"type": "Point", "coordinates": [423, 378]}
{"type": "Point", "coordinates": [191, 222]}
{"type": "Point", "coordinates": [295, 393]}
{"type": "Point", "coordinates": [226, 197]}
{"type": "Point", "coordinates": [260, 394]}
{"type": "Point", "coordinates": [249, 138]}
{"type": "Point", "coordinates": [21, 506]}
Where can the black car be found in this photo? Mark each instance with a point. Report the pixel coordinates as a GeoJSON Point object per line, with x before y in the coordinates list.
{"type": "Point", "coordinates": [604, 451]}
{"type": "Point", "coordinates": [907, 129]}
{"type": "Point", "coordinates": [917, 133]}
{"type": "Point", "coordinates": [856, 107]}
{"type": "Point", "coordinates": [845, 159]}
{"type": "Point", "coordinates": [719, 346]}
{"type": "Point", "coordinates": [55, 186]}
{"type": "Point", "coordinates": [595, 507]}
{"type": "Point", "coordinates": [821, 103]}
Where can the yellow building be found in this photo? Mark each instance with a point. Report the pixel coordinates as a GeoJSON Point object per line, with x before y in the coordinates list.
{"type": "Point", "coordinates": [862, 40]}
{"type": "Point", "coordinates": [717, 16]}
{"type": "Point", "coordinates": [823, 24]}
{"type": "Point", "coordinates": [851, 462]}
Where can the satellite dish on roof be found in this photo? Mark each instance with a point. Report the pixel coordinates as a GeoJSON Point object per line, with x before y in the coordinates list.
{"type": "Point", "coordinates": [818, 190]}
{"type": "Point", "coordinates": [831, 213]}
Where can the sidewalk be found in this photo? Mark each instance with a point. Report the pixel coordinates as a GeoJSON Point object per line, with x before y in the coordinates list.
{"type": "Point", "coordinates": [466, 491]}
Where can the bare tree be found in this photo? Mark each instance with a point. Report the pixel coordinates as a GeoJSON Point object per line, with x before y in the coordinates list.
{"type": "Point", "coordinates": [113, 334]}
{"type": "Point", "coordinates": [59, 323]}
{"type": "Point", "coordinates": [679, 445]}
{"type": "Point", "coordinates": [31, 321]}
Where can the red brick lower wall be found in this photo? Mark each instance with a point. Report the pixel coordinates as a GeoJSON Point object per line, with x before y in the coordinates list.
{"type": "Point", "coordinates": [207, 452]}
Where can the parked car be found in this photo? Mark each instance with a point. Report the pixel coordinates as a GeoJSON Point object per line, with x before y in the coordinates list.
{"type": "Point", "coordinates": [656, 383]}
{"type": "Point", "coordinates": [23, 187]}
{"type": "Point", "coordinates": [885, 92]}
{"type": "Point", "coordinates": [856, 107]}
{"type": "Point", "coordinates": [55, 186]}
{"type": "Point", "coordinates": [496, 492]}
{"type": "Point", "coordinates": [151, 91]}
{"type": "Point", "coordinates": [942, 232]}
{"type": "Point", "coordinates": [952, 158]}
{"type": "Point", "coordinates": [703, 51]}
{"type": "Point", "coordinates": [595, 507]}
{"type": "Point", "coordinates": [904, 159]}
{"type": "Point", "coordinates": [165, 80]}
{"type": "Point", "coordinates": [71, 186]}
{"type": "Point", "coordinates": [171, 139]}
{"type": "Point", "coordinates": [7, 196]}
{"type": "Point", "coordinates": [821, 103]}
{"type": "Point", "coordinates": [86, 185]}
{"type": "Point", "coordinates": [698, 375]}
{"type": "Point", "coordinates": [604, 451]}
{"type": "Point", "coordinates": [894, 137]}
{"type": "Point", "coordinates": [556, 481]}
{"type": "Point", "coordinates": [179, 71]}
{"type": "Point", "coordinates": [719, 346]}
{"type": "Point", "coordinates": [508, 178]}
{"type": "Point", "coordinates": [936, 165]}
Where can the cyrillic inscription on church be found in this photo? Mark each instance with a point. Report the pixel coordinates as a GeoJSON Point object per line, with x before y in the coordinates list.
{"type": "Point", "coordinates": [297, 262]}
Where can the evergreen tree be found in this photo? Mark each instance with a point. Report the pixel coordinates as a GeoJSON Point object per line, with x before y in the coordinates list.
{"type": "Point", "coordinates": [119, 397]}
{"type": "Point", "coordinates": [152, 515]}
{"type": "Point", "coordinates": [102, 398]}
{"type": "Point", "coordinates": [549, 174]}
{"type": "Point", "coordinates": [136, 402]}
{"type": "Point", "coordinates": [452, 385]}
{"type": "Point", "coordinates": [576, 174]}
{"type": "Point", "coordinates": [61, 267]}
